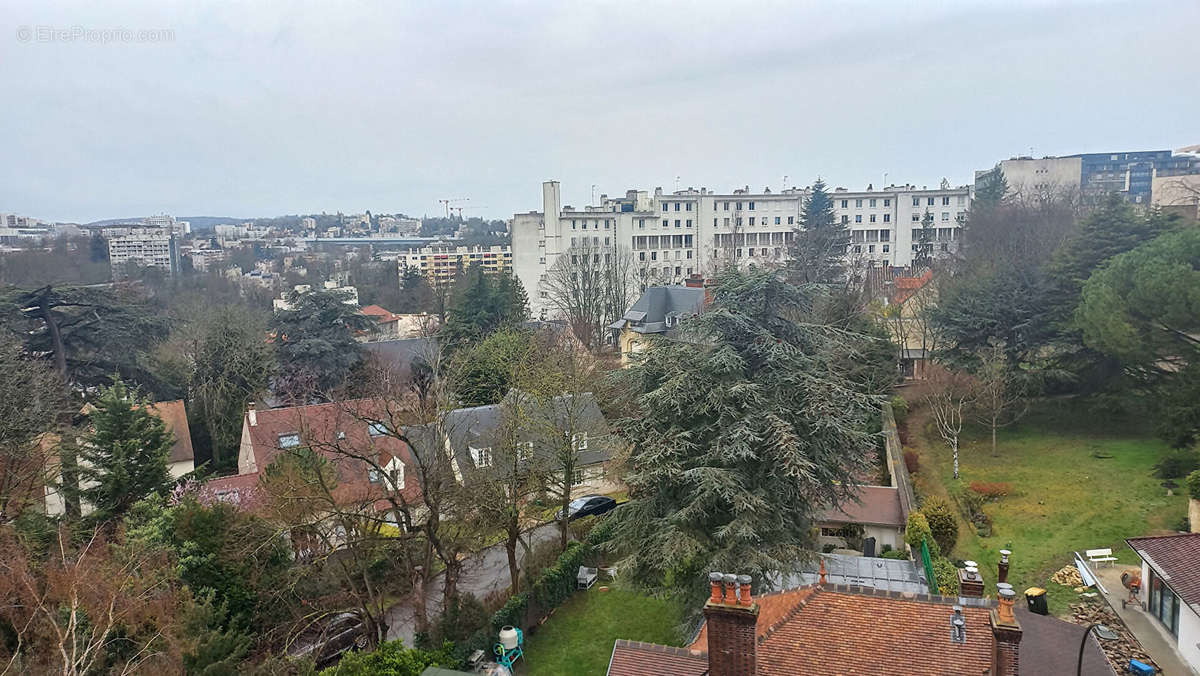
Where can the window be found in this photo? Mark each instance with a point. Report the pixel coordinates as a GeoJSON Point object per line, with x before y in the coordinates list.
{"type": "Point", "coordinates": [916, 218]}
{"type": "Point", "coordinates": [845, 203]}
{"type": "Point", "coordinates": [887, 202]}
{"type": "Point", "coordinates": [373, 475]}
{"type": "Point", "coordinates": [929, 202]}
{"type": "Point", "coordinates": [872, 203]}
{"type": "Point", "coordinates": [576, 477]}
{"type": "Point", "coordinates": [688, 223]}
{"type": "Point", "coordinates": [885, 235]}
{"type": "Point", "coordinates": [872, 218]}
{"type": "Point", "coordinates": [482, 457]}
{"type": "Point", "coordinates": [751, 206]}
{"type": "Point", "coordinates": [289, 440]}
{"type": "Point", "coordinates": [666, 207]}
{"type": "Point", "coordinates": [791, 220]}
{"type": "Point", "coordinates": [727, 206]}
{"type": "Point", "coordinates": [870, 248]}
{"type": "Point", "coordinates": [689, 257]}
{"type": "Point", "coordinates": [714, 222]}
{"type": "Point", "coordinates": [677, 206]}
{"type": "Point", "coordinates": [858, 204]}
{"type": "Point", "coordinates": [1164, 603]}
{"type": "Point", "coordinates": [377, 429]}
{"type": "Point", "coordinates": [666, 223]}
{"type": "Point", "coordinates": [738, 206]}
{"type": "Point", "coordinates": [641, 224]}
{"type": "Point", "coordinates": [916, 201]}
{"type": "Point", "coordinates": [776, 220]}
{"type": "Point", "coordinates": [886, 248]}
{"type": "Point", "coordinates": [572, 225]}
{"type": "Point", "coordinates": [727, 220]}
{"type": "Point", "coordinates": [751, 220]}
{"type": "Point", "coordinates": [641, 255]}
{"type": "Point", "coordinates": [945, 216]}
{"type": "Point", "coordinates": [857, 248]}
{"type": "Point", "coordinates": [525, 451]}
{"type": "Point", "coordinates": [607, 223]}
{"type": "Point", "coordinates": [677, 222]}
{"type": "Point", "coordinates": [945, 246]}
{"type": "Point", "coordinates": [858, 218]}
{"type": "Point", "coordinates": [887, 218]}
{"type": "Point", "coordinates": [946, 201]}
{"type": "Point", "coordinates": [689, 206]}
{"type": "Point", "coordinates": [542, 260]}
{"type": "Point", "coordinates": [845, 219]}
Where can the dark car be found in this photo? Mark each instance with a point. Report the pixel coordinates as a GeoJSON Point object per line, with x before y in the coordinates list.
{"type": "Point", "coordinates": [327, 638]}
{"type": "Point", "coordinates": [590, 505]}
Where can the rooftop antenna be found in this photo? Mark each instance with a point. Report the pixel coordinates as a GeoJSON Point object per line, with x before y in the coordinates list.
{"type": "Point", "coordinates": [593, 194]}
{"type": "Point", "coordinates": [676, 184]}
{"type": "Point", "coordinates": [785, 183]}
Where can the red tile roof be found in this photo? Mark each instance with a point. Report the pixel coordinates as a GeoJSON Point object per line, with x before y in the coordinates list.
{"type": "Point", "coordinates": [174, 414]}
{"type": "Point", "coordinates": [239, 489]}
{"type": "Point", "coordinates": [839, 631]}
{"type": "Point", "coordinates": [1176, 558]}
{"type": "Point", "coordinates": [322, 427]}
{"type": "Point", "coordinates": [876, 506]}
{"type": "Point", "coordinates": [634, 658]}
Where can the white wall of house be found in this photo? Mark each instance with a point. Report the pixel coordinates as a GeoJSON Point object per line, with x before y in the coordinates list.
{"type": "Point", "coordinates": [178, 469]}
{"type": "Point", "coordinates": [1189, 636]}
{"type": "Point", "coordinates": [884, 535]}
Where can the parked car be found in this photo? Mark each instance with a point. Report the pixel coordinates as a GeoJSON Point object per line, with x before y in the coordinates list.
{"type": "Point", "coordinates": [326, 639]}
{"type": "Point", "coordinates": [589, 505]}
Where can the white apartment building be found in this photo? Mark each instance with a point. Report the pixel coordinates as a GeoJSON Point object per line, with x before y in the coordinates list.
{"type": "Point", "coordinates": [148, 247]}
{"type": "Point", "coordinates": [443, 261]}
{"type": "Point", "coordinates": [672, 236]}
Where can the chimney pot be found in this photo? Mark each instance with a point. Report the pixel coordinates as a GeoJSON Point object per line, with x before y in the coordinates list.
{"type": "Point", "coordinates": [744, 597]}
{"type": "Point", "coordinates": [1003, 567]}
{"type": "Point", "coordinates": [730, 589]}
{"type": "Point", "coordinates": [714, 580]}
{"type": "Point", "coordinates": [252, 414]}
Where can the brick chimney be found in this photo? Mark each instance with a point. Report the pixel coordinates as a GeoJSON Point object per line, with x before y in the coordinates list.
{"type": "Point", "coordinates": [732, 617]}
{"type": "Point", "coordinates": [1007, 632]}
{"type": "Point", "coordinates": [970, 582]}
{"type": "Point", "coordinates": [1004, 554]}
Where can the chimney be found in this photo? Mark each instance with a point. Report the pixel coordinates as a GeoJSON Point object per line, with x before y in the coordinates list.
{"type": "Point", "coordinates": [252, 415]}
{"type": "Point", "coordinates": [970, 582]}
{"type": "Point", "coordinates": [1004, 554]}
{"type": "Point", "coordinates": [1007, 632]}
{"type": "Point", "coordinates": [732, 617]}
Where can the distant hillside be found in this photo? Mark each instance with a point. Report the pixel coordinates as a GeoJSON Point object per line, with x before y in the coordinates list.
{"type": "Point", "coordinates": [198, 222]}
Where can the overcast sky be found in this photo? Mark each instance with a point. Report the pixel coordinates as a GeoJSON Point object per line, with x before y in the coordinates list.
{"type": "Point", "coordinates": [267, 108]}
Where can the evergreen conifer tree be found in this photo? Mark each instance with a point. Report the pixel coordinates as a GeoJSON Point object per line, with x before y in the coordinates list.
{"type": "Point", "coordinates": [124, 457]}
{"type": "Point", "coordinates": [818, 248]}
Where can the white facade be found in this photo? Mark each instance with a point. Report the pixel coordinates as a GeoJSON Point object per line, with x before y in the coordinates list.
{"type": "Point", "coordinates": [1030, 176]}
{"type": "Point", "coordinates": [148, 247]}
{"type": "Point", "coordinates": [672, 236]}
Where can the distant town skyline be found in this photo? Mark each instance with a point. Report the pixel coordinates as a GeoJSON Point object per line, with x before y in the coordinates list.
{"type": "Point", "coordinates": [259, 111]}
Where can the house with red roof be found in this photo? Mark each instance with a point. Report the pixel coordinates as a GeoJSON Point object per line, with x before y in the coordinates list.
{"type": "Point", "coordinates": [841, 630]}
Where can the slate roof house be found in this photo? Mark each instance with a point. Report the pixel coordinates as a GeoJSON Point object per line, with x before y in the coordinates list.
{"type": "Point", "coordinates": [1171, 588]}
{"type": "Point", "coordinates": [839, 630]}
{"type": "Point", "coordinates": [660, 310]}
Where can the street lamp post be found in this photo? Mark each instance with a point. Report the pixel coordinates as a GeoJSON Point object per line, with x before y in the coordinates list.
{"type": "Point", "coordinates": [1102, 632]}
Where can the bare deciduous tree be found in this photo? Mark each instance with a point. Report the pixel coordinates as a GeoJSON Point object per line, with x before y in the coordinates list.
{"type": "Point", "coordinates": [949, 398]}
{"type": "Point", "coordinates": [592, 285]}
{"type": "Point", "coordinates": [1001, 398]}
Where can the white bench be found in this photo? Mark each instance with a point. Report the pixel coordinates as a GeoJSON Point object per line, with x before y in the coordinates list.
{"type": "Point", "coordinates": [1100, 556]}
{"type": "Point", "coordinates": [586, 577]}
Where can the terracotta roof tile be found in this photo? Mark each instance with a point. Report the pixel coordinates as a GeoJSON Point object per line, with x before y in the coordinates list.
{"type": "Point", "coordinates": [634, 658]}
{"type": "Point", "coordinates": [1176, 558]}
{"type": "Point", "coordinates": [876, 505]}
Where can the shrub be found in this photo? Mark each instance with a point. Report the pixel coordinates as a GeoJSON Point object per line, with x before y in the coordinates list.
{"type": "Point", "coordinates": [559, 581]}
{"type": "Point", "coordinates": [391, 657]}
{"type": "Point", "coordinates": [1177, 464]}
{"type": "Point", "coordinates": [991, 490]}
{"type": "Point", "coordinates": [899, 408]}
{"type": "Point", "coordinates": [825, 549]}
{"type": "Point", "coordinates": [917, 530]}
{"type": "Point", "coordinates": [900, 554]}
{"type": "Point", "coordinates": [946, 575]}
{"type": "Point", "coordinates": [1193, 484]}
{"type": "Point", "coordinates": [511, 613]}
{"type": "Point", "coordinates": [581, 528]}
{"type": "Point", "coordinates": [912, 461]}
{"type": "Point", "coordinates": [885, 548]}
{"type": "Point", "coordinates": [464, 616]}
{"type": "Point", "coordinates": [942, 524]}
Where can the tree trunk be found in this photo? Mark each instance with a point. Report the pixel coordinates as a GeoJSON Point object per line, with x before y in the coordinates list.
{"type": "Point", "coordinates": [994, 420]}
{"type": "Point", "coordinates": [420, 612]}
{"type": "Point", "coordinates": [60, 350]}
{"type": "Point", "coordinates": [514, 571]}
{"type": "Point", "coordinates": [954, 445]}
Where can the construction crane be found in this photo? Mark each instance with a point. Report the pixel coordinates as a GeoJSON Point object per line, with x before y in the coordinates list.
{"type": "Point", "coordinates": [452, 200]}
{"type": "Point", "coordinates": [461, 209]}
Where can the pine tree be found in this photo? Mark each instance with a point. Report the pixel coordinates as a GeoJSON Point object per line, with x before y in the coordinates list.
{"type": "Point", "coordinates": [124, 457]}
{"type": "Point", "coordinates": [925, 239]}
{"type": "Point", "coordinates": [818, 248]}
{"type": "Point", "coordinates": [482, 305]}
{"type": "Point", "coordinates": [990, 189]}
{"type": "Point", "coordinates": [744, 431]}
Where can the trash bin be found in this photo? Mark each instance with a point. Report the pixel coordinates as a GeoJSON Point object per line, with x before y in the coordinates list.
{"type": "Point", "coordinates": [1036, 598]}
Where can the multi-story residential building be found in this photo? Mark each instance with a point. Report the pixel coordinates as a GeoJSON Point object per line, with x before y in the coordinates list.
{"type": "Point", "coordinates": [673, 236]}
{"type": "Point", "coordinates": [1178, 194]}
{"type": "Point", "coordinates": [442, 262]}
{"type": "Point", "coordinates": [145, 246]}
{"type": "Point", "coordinates": [1094, 175]}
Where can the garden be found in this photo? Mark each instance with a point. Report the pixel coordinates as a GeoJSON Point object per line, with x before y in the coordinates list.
{"type": "Point", "coordinates": [1061, 480]}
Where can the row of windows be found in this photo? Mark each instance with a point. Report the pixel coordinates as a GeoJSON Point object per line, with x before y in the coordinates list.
{"type": "Point", "coordinates": [872, 235]}
{"type": "Point", "coordinates": [608, 223]}
{"type": "Point", "coordinates": [665, 255]}
{"type": "Point", "coordinates": [483, 457]}
{"type": "Point", "coordinates": [765, 220]}
{"type": "Point", "coordinates": [871, 248]}
{"type": "Point", "coordinates": [652, 241]}
{"type": "Point", "coordinates": [887, 202]}
{"type": "Point", "coordinates": [666, 223]}
{"type": "Point", "coordinates": [945, 216]}
{"type": "Point", "coordinates": [595, 241]}
{"type": "Point", "coordinates": [887, 218]}
{"type": "Point", "coordinates": [751, 239]}
{"type": "Point", "coordinates": [678, 205]}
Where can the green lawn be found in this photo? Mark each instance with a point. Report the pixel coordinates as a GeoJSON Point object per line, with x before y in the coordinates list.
{"type": "Point", "coordinates": [578, 638]}
{"type": "Point", "coordinates": [1080, 482]}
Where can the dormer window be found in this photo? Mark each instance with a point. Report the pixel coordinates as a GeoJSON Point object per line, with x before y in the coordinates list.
{"type": "Point", "coordinates": [525, 451]}
{"type": "Point", "coordinates": [289, 440]}
{"type": "Point", "coordinates": [580, 441]}
{"type": "Point", "coordinates": [482, 457]}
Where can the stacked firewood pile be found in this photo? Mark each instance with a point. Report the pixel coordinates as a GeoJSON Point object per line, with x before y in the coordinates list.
{"type": "Point", "coordinates": [1068, 576]}
{"type": "Point", "coordinates": [1118, 651]}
